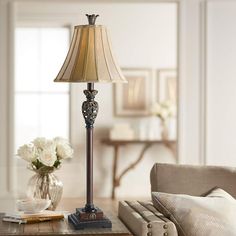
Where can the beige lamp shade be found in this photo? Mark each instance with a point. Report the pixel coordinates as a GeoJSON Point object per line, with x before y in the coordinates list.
{"type": "Point", "coordinates": [90, 57]}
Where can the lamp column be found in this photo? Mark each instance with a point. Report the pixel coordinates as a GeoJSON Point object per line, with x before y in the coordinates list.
{"type": "Point", "coordinates": [89, 216]}
{"type": "Point", "coordinates": [89, 110]}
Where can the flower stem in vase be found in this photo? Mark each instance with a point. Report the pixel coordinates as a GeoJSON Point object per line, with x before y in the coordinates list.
{"type": "Point", "coordinates": [45, 186]}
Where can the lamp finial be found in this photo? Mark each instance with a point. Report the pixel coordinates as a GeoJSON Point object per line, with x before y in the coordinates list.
{"type": "Point", "coordinates": [92, 18]}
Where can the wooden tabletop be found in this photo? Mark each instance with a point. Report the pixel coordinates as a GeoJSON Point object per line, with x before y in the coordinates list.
{"type": "Point", "coordinates": [62, 227]}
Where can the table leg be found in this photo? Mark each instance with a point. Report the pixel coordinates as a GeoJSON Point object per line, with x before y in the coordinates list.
{"type": "Point", "coordinates": [132, 165]}
{"type": "Point", "coordinates": [172, 148]}
{"type": "Point", "coordinates": [114, 170]}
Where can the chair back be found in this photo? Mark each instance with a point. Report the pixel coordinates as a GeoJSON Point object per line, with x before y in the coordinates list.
{"type": "Point", "coordinates": [192, 180]}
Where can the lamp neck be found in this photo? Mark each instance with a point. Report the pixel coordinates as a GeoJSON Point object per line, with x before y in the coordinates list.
{"type": "Point", "coordinates": [90, 86]}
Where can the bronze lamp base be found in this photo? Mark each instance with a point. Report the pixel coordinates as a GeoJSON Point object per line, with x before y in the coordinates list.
{"type": "Point", "coordinates": [95, 219]}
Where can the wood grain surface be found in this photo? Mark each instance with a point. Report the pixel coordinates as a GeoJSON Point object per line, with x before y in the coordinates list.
{"type": "Point", "coordinates": [62, 227]}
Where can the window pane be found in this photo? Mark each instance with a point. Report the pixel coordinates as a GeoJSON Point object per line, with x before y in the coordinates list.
{"type": "Point", "coordinates": [26, 118]}
{"type": "Point", "coordinates": [40, 53]}
{"type": "Point", "coordinates": [54, 114]}
{"type": "Point", "coordinates": [54, 47]}
{"type": "Point", "coordinates": [41, 106]}
{"type": "Point", "coordinates": [27, 60]}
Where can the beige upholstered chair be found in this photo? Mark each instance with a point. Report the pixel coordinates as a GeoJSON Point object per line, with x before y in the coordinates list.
{"type": "Point", "coordinates": [143, 219]}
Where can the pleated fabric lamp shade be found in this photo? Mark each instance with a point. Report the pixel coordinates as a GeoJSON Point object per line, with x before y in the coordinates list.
{"type": "Point", "coordinates": [90, 58]}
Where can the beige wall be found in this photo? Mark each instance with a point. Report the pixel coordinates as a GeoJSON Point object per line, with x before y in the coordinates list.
{"type": "Point", "coordinates": [221, 83]}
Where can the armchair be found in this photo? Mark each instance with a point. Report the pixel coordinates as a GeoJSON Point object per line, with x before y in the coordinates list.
{"type": "Point", "coordinates": [143, 219]}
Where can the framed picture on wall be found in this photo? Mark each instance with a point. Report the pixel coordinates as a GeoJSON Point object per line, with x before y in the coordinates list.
{"type": "Point", "coordinates": [167, 85]}
{"type": "Point", "coordinates": [134, 98]}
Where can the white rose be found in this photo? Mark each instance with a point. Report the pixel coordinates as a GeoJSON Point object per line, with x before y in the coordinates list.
{"type": "Point", "coordinates": [63, 148]}
{"type": "Point", "coordinates": [59, 140]}
{"type": "Point", "coordinates": [28, 152]}
{"type": "Point", "coordinates": [64, 151]}
{"type": "Point", "coordinates": [48, 156]}
{"type": "Point", "coordinates": [43, 143]}
{"type": "Point", "coordinates": [50, 144]}
{"type": "Point", "coordinates": [164, 114]}
{"type": "Point", "coordinates": [167, 103]}
{"type": "Point", "coordinates": [40, 142]}
{"type": "Point", "coordinates": [156, 109]}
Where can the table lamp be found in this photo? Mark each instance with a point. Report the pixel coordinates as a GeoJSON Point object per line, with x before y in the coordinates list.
{"type": "Point", "coordinates": [90, 60]}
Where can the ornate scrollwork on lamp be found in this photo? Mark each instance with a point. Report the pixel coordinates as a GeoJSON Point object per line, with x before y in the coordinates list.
{"type": "Point", "coordinates": [90, 108]}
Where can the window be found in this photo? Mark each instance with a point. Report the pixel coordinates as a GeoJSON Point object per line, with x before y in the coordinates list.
{"type": "Point", "coordinates": [41, 106]}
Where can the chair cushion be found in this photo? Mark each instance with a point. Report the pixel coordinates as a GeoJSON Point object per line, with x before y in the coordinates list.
{"type": "Point", "coordinates": [212, 215]}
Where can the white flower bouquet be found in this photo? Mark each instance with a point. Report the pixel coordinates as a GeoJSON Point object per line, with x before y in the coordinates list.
{"type": "Point", "coordinates": [44, 154]}
{"type": "Point", "coordinates": [164, 110]}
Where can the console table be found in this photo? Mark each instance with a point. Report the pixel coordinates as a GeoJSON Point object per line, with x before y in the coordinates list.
{"type": "Point", "coordinates": [116, 144]}
{"type": "Point", "coordinates": [62, 227]}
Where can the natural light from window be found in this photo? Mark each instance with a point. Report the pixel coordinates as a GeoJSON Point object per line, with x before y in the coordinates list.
{"type": "Point", "coordinates": [41, 106]}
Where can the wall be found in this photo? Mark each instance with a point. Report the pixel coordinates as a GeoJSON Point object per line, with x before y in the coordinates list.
{"type": "Point", "coordinates": [206, 96]}
{"type": "Point", "coordinates": [221, 83]}
{"type": "Point", "coordinates": [143, 35]}
{"type": "Point", "coordinates": [7, 165]}
{"type": "Point", "coordinates": [3, 94]}
{"type": "Point", "coordinates": [191, 77]}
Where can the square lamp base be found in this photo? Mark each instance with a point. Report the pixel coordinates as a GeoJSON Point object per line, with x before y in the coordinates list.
{"type": "Point", "coordinates": [83, 220]}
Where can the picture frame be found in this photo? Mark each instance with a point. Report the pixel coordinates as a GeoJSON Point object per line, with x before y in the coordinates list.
{"type": "Point", "coordinates": [135, 97]}
{"type": "Point", "coordinates": [167, 85]}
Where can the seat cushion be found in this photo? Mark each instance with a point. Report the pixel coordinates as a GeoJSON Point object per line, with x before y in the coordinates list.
{"type": "Point", "coordinates": [212, 215]}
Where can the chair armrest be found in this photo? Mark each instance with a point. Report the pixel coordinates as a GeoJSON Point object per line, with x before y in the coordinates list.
{"type": "Point", "coordinates": [143, 219]}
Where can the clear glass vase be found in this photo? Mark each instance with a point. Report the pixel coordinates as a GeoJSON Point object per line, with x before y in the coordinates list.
{"type": "Point", "coordinates": [45, 185]}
